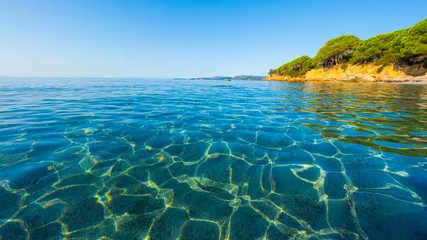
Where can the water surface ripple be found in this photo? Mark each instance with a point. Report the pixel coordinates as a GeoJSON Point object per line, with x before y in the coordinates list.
{"type": "Point", "coordinates": [163, 159]}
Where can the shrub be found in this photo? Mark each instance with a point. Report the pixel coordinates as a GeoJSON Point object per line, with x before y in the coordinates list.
{"type": "Point", "coordinates": [411, 42]}
{"type": "Point", "coordinates": [297, 67]}
{"type": "Point", "coordinates": [374, 48]}
{"type": "Point", "coordinates": [336, 48]}
{"type": "Point", "coordinates": [383, 49]}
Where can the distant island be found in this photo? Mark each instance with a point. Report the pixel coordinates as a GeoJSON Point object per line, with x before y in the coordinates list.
{"type": "Point", "coordinates": [249, 77]}
{"type": "Point", "coordinates": [399, 56]}
{"type": "Point", "coordinates": [239, 77]}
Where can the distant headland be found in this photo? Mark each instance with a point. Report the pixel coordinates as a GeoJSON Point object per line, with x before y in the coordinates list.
{"type": "Point", "coordinates": [399, 56]}
{"type": "Point", "coordinates": [239, 77]}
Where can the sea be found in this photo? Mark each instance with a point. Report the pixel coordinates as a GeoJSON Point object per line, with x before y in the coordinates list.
{"type": "Point", "coordinates": [92, 158]}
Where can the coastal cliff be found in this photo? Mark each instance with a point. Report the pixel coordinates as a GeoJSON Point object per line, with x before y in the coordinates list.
{"type": "Point", "coordinates": [399, 56]}
{"type": "Point", "coordinates": [368, 72]}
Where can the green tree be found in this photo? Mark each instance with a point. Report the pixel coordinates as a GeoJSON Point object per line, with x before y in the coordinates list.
{"type": "Point", "coordinates": [374, 48]}
{"type": "Point", "coordinates": [296, 67]}
{"type": "Point", "coordinates": [412, 41]}
{"type": "Point", "coordinates": [337, 49]}
{"type": "Point", "coordinates": [382, 50]}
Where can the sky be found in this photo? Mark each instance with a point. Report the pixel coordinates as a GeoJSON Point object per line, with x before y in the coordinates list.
{"type": "Point", "coordinates": [182, 38]}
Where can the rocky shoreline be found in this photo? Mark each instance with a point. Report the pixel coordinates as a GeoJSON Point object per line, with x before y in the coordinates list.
{"type": "Point", "coordinates": [362, 73]}
{"type": "Point", "coordinates": [395, 57]}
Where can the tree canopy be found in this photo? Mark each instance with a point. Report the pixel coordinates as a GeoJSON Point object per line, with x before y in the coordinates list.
{"type": "Point", "coordinates": [412, 41]}
{"type": "Point", "coordinates": [296, 68]}
{"type": "Point", "coordinates": [374, 48]}
{"type": "Point", "coordinates": [337, 47]}
{"type": "Point", "coordinates": [382, 50]}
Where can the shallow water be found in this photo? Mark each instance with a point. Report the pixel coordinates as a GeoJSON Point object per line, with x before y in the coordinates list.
{"type": "Point", "coordinates": [163, 159]}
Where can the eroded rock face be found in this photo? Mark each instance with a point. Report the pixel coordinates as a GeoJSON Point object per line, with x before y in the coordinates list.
{"type": "Point", "coordinates": [297, 67]}
{"type": "Point", "coordinates": [416, 66]}
{"type": "Point", "coordinates": [337, 58]}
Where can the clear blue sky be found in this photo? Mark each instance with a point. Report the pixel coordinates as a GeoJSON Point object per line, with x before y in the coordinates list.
{"type": "Point", "coordinates": [182, 38]}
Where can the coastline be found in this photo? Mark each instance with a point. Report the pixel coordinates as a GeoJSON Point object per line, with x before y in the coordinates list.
{"type": "Point", "coordinates": [404, 82]}
{"type": "Point", "coordinates": [394, 57]}
{"type": "Point", "coordinates": [361, 73]}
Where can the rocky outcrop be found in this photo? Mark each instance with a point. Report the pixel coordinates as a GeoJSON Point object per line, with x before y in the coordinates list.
{"type": "Point", "coordinates": [336, 59]}
{"type": "Point", "coordinates": [364, 73]}
{"type": "Point", "coordinates": [364, 77]}
{"type": "Point", "coordinates": [297, 67]}
{"type": "Point", "coordinates": [416, 66]}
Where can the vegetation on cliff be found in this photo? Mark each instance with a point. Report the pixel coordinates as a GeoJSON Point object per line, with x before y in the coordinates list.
{"type": "Point", "coordinates": [295, 68]}
{"type": "Point", "coordinates": [337, 50]}
{"type": "Point", "coordinates": [376, 49]}
{"type": "Point", "coordinates": [408, 46]}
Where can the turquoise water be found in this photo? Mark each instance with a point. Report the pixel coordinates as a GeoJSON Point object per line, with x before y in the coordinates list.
{"type": "Point", "coordinates": [164, 159]}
